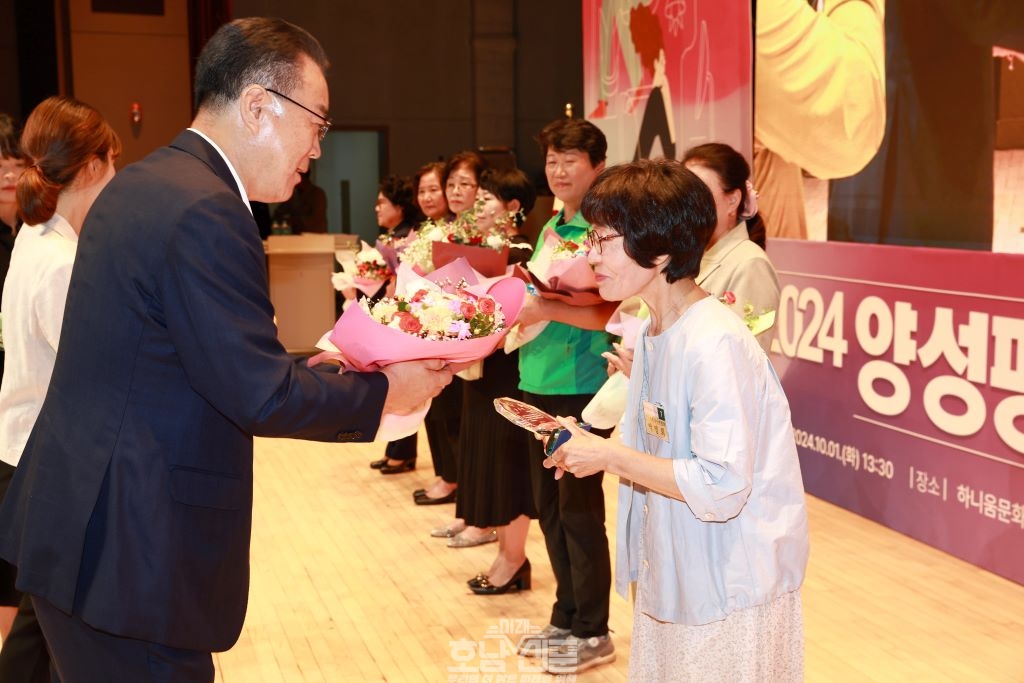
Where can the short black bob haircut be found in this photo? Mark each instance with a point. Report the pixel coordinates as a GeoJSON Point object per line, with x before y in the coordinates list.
{"type": "Point", "coordinates": [507, 184]}
{"type": "Point", "coordinates": [399, 191]}
{"type": "Point", "coordinates": [660, 208]}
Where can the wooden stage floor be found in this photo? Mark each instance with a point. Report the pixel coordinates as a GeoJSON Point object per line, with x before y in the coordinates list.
{"type": "Point", "coordinates": [347, 585]}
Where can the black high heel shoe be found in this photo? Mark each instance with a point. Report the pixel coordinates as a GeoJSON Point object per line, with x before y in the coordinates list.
{"type": "Point", "coordinates": [377, 464]}
{"type": "Point", "coordinates": [403, 466]}
{"type": "Point", "coordinates": [520, 581]}
{"type": "Point", "coordinates": [427, 500]}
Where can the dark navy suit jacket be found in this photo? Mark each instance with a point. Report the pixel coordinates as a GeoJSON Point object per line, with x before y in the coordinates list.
{"type": "Point", "coordinates": [132, 505]}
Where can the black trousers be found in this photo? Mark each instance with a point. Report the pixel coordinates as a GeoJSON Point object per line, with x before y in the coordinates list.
{"type": "Point", "coordinates": [442, 428]}
{"type": "Point", "coordinates": [403, 449]}
{"type": "Point", "coordinates": [24, 657]}
{"type": "Point", "coordinates": [571, 515]}
{"type": "Point", "coordinates": [9, 595]}
{"type": "Point", "coordinates": [82, 654]}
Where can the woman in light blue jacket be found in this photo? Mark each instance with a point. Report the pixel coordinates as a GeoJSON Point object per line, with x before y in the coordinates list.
{"type": "Point", "coordinates": [712, 525]}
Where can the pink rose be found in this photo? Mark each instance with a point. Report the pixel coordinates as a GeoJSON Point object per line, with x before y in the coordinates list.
{"type": "Point", "coordinates": [407, 322]}
{"type": "Point", "coordinates": [486, 305]}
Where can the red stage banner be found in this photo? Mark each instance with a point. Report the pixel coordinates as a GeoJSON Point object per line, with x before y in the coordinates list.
{"type": "Point", "coordinates": [904, 368]}
{"type": "Point", "coordinates": [661, 77]}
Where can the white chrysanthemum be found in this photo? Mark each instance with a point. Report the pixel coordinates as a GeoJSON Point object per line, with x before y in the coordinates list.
{"type": "Point", "coordinates": [385, 309]}
{"type": "Point", "coordinates": [436, 318]}
{"type": "Point", "coordinates": [495, 242]}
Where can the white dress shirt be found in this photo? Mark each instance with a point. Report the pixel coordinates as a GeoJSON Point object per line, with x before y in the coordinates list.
{"type": "Point", "coordinates": [234, 173]}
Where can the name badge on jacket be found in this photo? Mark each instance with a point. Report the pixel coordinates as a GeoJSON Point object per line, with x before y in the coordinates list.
{"type": "Point", "coordinates": [654, 420]}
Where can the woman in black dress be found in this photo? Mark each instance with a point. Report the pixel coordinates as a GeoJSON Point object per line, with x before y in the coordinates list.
{"type": "Point", "coordinates": [460, 181]}
{"type": "Point", "coordinates": [494, 480]}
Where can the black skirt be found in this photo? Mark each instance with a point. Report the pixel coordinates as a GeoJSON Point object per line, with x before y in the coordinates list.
{"type": "Point", "coordinates": [494, 477]}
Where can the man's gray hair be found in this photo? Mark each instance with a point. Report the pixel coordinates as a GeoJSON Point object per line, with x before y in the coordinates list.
{"type": "Point", "coordinates": [261, 50]}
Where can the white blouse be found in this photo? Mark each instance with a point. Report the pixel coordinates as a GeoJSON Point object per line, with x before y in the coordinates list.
{"type": "Point", "coordinates": [33, 310]}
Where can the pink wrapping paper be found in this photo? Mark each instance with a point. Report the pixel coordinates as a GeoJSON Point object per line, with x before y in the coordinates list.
{"type": "Point", "coordinates": [626, 321]}
{"type": "Point", "coordinates": [347, 284]}
{"type": "Point", "coordinates": [366, 345]}
{"type": "Point", "coordinates": [609, 403]}
{"type": "Point", "coordinates": [484, 260]}
{"type": "Point", "coordinates": [459, 269]}
{"type": "Point", "coordinates": [390, 250]}
{"type": "Point", "coordinates": [348, 281]}
{"type": "Point", "coordinates": [570, 280]}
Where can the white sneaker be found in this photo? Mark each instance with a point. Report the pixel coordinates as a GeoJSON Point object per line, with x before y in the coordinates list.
{"type": "Point", "coordinates": [539, 644]}
{"type": "Point", "coordinates": [579, 654]}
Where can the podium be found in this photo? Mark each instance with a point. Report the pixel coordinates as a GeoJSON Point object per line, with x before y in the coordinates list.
{"type": "Point", "coordinates": [299, 268]}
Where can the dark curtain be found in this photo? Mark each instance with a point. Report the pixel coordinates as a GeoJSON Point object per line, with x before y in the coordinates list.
{"type": "Point", "coordinates": [36, 56]}
{"type": "Point", "coordinates": [204, 18]}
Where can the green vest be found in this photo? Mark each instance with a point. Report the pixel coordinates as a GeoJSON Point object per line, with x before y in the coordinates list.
{"type": "Point", "coordinates": [563, 359]}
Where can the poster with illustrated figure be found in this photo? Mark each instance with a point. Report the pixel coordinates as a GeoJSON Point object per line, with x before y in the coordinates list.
{"type": "Point", "coordinates": [661, 76]}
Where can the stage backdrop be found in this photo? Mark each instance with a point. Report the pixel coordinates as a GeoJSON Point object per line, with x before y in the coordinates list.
{"type": "Point", "coordinates": [904, 369]}
{"type": "Point", "coordinates": [660, 76]}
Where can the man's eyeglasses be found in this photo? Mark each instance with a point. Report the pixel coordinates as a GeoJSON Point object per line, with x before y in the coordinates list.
{"type": "Point", "coordinates": [327, 122]}
{"type": "Point", "coordinates": [594, 242]}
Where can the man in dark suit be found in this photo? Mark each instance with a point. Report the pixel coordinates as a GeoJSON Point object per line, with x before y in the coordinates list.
{"type": "Point", "coordinates": [129, 516]}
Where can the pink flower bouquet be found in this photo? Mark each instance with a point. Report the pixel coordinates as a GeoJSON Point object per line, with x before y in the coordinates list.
{"type": "Point", "coordinates": [391, 249]}
{"type": "Point", "coordinates": [438, 243]}
{"type": "Point", "coordinates": [365, 273]}
{"type": "Point", "coordinates": [560, 271]}
{"type": "Point", "coordinates": [459, 320]}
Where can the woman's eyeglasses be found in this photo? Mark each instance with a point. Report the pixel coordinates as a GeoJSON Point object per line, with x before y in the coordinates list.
{"type": "Point", "coordinates": [462, 186]}
{"type": "Point", "coordinates": [594, 242]}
